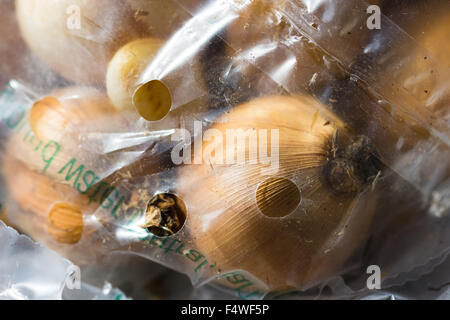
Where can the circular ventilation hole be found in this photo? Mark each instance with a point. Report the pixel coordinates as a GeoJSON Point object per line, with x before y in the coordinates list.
{"type": "Point", "coordinates": [165, 215]}
{"type": "Point", "coordinates": [152, 100]}
{"type": "Point", "coordinates": [277, 197]}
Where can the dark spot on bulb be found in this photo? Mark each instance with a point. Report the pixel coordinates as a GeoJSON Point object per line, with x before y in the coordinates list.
{"type": "Point", "coordinates": [352, 167]}
{"type": "Point", "coordinates": [342, 176]}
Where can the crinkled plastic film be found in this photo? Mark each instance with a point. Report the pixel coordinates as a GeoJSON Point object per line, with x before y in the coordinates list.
{"type": "Point", "coordinates": [29, 270]}
{"type": "Point", "coordinates": [87, 160]}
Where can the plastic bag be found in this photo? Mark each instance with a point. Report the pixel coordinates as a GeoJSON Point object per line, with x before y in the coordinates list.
{"type": "Point", "coordinates": [29, 270]}
{"type": "Point", "coordinates": [262, 146]}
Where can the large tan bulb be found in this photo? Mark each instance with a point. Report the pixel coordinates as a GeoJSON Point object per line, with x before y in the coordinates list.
{"type": "Point", "coordinates": [70, 109]}
{"type": "Point", "coordinates": [436, 38]}
{"type": "Point", "coordinates": [413, 77]}
{"type": "Point", "coordinates": [235, 212]}
{"type": "Point", "coordinates": [56, 209]}
{"type": "Point", "coordinates": [81, 52]}
{"type": "Point", "coordinates": [422, 81]}
{"type": "Point", "coordinates": [125, 69]}
{"type": "Point", "coordinates": [60, 120]}
{"type": "Point", "coordinates": [130, 87]}
{"type": "Point", "coordinates": [420, 68]}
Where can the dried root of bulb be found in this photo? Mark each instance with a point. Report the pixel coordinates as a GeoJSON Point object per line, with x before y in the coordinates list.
{"type": "Point", "coordinates": [165, 215]}
{"type": "Point", "coordinates": [353, 167]}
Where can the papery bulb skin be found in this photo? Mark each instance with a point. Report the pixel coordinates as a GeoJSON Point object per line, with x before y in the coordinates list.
{"type": "Point", "coordinates": [77, 38]}
{"type": "Point", "coordinates": [64, 126]}
{"type": "Point", "coordinates": [55, 210]}
{"type": "Point", "coordinates": [125, 69]}
{"type": "Point", "coordinates": [244, 217]}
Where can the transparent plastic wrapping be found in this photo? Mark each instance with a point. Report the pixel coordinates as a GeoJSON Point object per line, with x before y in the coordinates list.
{"type": "Point", "coordinates": [29, 270]}
{"type": "Point", "coordinates": [262, 146]}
